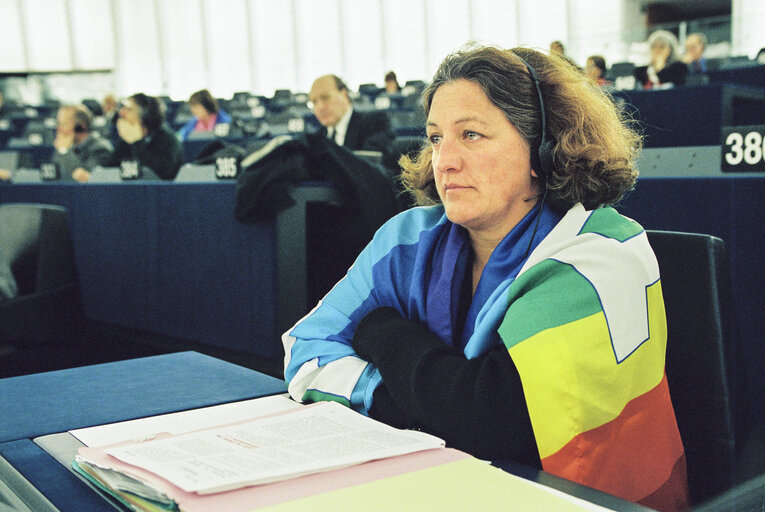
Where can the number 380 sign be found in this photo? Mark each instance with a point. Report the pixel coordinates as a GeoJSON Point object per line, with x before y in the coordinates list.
{"type": "Point", "coordinates": [743, 148]}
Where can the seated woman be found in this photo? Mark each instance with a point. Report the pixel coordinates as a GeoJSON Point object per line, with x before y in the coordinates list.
{"type": "Point", "coordinates": [144, 138]}
{"type": "Point", "coordinates": [519, 316]}
{"type": "Point", "coordinates": [665, 66]}
{"type": "Point", "coordinates": [207, 114]}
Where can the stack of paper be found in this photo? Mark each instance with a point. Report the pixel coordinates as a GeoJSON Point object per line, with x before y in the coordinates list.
{"type": "Point", "coordinates": [275, 438]}
{"type": "Point", "coordinates": [147, 475]}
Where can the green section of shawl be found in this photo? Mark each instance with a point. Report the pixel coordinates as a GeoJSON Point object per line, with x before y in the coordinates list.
{"type": "Point", "coordinates": [552, 294]}
{"type": "Point", "coordinates": [607, 222]}
{"type": "Point", "coordinates": [314, 395]}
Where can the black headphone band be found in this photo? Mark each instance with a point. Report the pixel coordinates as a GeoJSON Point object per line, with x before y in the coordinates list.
{"type": "Point", "coordinates": [542, 154]}
{"type": "Point", "coordinates": [535, 81]}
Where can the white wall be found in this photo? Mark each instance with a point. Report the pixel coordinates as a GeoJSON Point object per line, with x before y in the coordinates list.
{"type": "Point", "coordinates": [175, 47]}
{"type": "Point", "coordinates": [747, 27]}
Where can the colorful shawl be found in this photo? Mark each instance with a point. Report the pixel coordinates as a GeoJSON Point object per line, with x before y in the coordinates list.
{"type": "Point", "coordinates": [582, 318]}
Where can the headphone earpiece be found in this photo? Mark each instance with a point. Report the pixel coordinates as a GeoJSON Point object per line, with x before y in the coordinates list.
{"type": "Point", "coordinates": [546, 157]}
{"type": "Point", "coordinates": [542, 158]}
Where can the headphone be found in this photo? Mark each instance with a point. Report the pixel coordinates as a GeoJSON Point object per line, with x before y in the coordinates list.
{"type": "Point", "coordinates": [542, 156]}
{"type": "Point", "coordinates": [81, 119]}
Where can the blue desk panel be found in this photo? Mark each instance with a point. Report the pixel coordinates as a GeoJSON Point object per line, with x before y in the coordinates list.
{"type": "Point", "coordinates": [170, 258]}
{"type": "Point", "coordinates": [692, 115]}
{"type": "Point", "coordinates": [732, 209]}
{"type": "Point", "coordinates": [51, 402]}
{"type": "Point", "coordinates": [753, 75]}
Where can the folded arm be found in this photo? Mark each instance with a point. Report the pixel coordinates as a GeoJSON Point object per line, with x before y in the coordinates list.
{"type": "Point", "coordinates": [476, 405]}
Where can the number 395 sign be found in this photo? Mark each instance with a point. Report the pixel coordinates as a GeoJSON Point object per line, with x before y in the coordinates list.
{"type": "Point", "coordinates": [743, 148]}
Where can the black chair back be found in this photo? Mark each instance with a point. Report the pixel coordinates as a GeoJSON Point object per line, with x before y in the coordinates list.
{"type": "Point", "coordinates": [705, 378]}
{"type": "Point", "coordinates": [38, 249]}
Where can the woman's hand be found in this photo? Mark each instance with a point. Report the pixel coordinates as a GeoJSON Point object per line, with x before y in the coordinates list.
{"type": "Point", "coordinates": [81, 175]}
{"type": "Point", "coordinates": [378, 331]}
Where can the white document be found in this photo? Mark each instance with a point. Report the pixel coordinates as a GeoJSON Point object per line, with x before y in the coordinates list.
{"type": "Point", "coordinates": [311, 439]}
{"type": "Point", "coordinates": [184, 421]}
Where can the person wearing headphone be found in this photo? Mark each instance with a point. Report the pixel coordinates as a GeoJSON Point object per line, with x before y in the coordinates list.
{"type": "Point", "coordinates": [144, 138]}
{"type": "Point", "coordinates": [516, 314]}
{"type": "Point", "coordinates": [78, 150]}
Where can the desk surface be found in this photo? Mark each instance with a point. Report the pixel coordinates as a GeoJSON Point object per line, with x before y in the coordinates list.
{"type": "Point", "coordinates": [46, 403]}
{"type": "Point", "coordinates": [52, 402]}
{"type": "Point", "coordinates": [136, 388]}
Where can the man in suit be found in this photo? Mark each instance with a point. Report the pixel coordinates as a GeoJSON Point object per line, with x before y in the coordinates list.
{"type": "Point", "coordinates": [354, 130]}
{"type": "Point", "coordinates": [694, 53]}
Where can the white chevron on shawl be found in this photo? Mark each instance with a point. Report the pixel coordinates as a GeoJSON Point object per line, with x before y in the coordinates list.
{"type": "Point", "coordinates": [621, 294]}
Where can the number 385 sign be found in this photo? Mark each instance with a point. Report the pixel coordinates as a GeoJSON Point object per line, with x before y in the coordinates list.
{"type": "Point", "coordinates": [743, 148]}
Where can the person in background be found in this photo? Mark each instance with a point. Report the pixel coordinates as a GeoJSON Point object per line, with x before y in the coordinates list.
{"type": "Point", "coordinates": [391, 83]}
{"type": "Point", "coordinates": [207, 114]}
{"type": "Point", "coordinates": [518, 316]}
{"type": "Point", "coordinates": [5, 174]}
{"type": "Point", "coordinates": [78, 149]}
{"type": "Point", "coordinates": [354, 130]}
{"type": "Point", "coordinates": [665, 66]}
{"type": "Point", "coordinates": [695, 44]}
{"type": "Point", "coordinates": [144, 137]}
{"type": "Point", "coordinates": [557, 48]}
{"type": "Point", "coordinates": [109, 106]}
{"type": "Point", "coordinates": [595, 68]}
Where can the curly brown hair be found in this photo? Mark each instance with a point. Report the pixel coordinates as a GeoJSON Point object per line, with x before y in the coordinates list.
{"type": "Point", "coordinates": [594, 148]}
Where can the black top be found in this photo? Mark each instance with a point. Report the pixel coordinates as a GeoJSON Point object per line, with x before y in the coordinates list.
{"type": "Point", "coordinates": [160, 151]}
{"type": "Point", "coordinates": [674, 73]}
{"type": "Point", "coordinates": [370, 131]}
{"type": "Point", "coordinates": [476, 405]}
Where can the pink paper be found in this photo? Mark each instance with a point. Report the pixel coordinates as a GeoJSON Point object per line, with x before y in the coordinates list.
{"type": "Point", "coordinates": [250, 498]}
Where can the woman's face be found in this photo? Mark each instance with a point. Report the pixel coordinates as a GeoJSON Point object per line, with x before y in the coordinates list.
{"type": "Point", "coordinates": [659, 54]}
{"type": "Point", "coordinates": [481, 163]}
{"type": "Point", "coordinates": [198, 111]}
